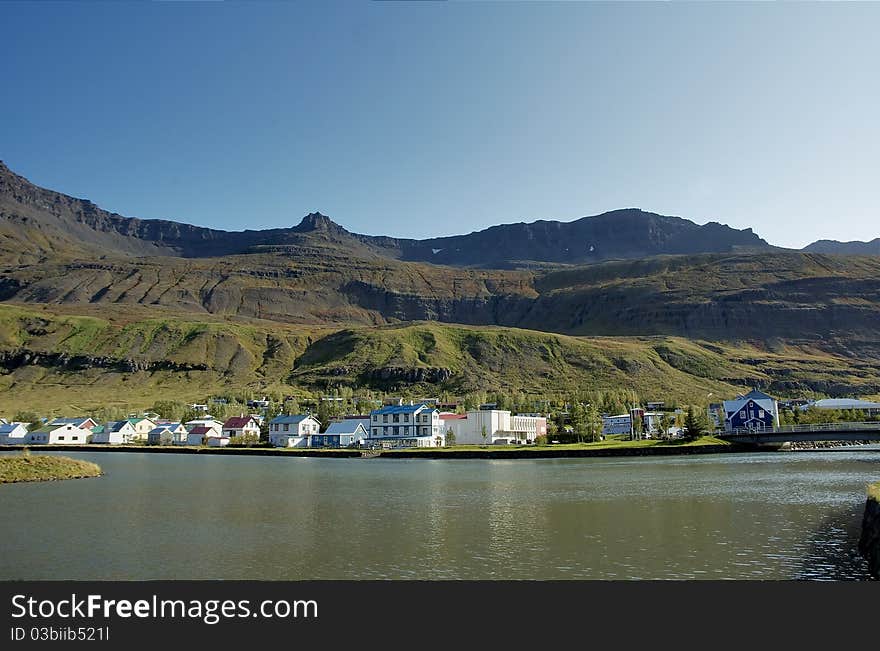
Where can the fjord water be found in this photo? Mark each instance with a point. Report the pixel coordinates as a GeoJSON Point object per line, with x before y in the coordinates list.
{"type": "Point", "coordinates": [167, 516]}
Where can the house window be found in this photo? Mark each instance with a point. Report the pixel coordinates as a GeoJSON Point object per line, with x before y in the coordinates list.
{"type": "Point", "coordinates": [395, 418]}
{"type": "Point", "coordinates": [384, 418]}
{"type": "Point", "coordinates": [406, 418]}
{"type": "Point", "coordinates": [60, 438]}
{"type": "Point", "coordinates": [286, 427]}
{"type": "Point", "coordinates": [76, 438]}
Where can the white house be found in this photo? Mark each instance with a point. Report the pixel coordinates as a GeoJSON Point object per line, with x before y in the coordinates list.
{"type": "Point", "coordinates": [142, 427]}
{"type": "Point", "coordinates": [115, 432]}
{"type": "Point", "coordinates": [341, 435]}
{"type": "Point", "coordinates": [200, 434]}
{"type": "Point", "coordinates": [13, 434]}
{"type": "Point", "coordinates": [163, 435]}
{"type": "Point", "coordinates": [82, 423]}
{"type": "Point", "coordinates": [210, 423]}
{"type": "Point", "coordinates": [493, 426]}
{"type": "Point", "coordinates": [406, 426]}
{"type": "Point", "coordinates": [217, 441]}
{"type": "Point", "coordinates": [178, 430]}
{"type": "Point", "coordinates": [60, 435]}
{"type": "Point", "coordinates": [241, 426]}
{"type": "Point", "coordinates": [293, 431]}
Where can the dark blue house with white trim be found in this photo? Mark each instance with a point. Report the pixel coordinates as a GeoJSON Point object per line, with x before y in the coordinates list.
{"type": "Point", "coordinates": [753, 411]}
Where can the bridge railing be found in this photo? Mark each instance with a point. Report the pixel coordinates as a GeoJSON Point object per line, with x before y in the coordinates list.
{"type": "Point", "coordinates": [807, 428]}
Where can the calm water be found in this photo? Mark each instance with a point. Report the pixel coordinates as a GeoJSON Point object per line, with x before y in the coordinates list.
{"type": "Point", "coordinates": [757, 516]}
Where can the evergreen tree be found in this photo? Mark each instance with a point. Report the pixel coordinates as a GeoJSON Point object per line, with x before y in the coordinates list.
{"type": "Point", "coordinates": [694, 426]}
{"type": "Point", "coordinates": [324, 414]}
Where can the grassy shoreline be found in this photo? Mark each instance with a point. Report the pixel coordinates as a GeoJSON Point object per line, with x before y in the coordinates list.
{"type": "Point", "coordinates": [28, 467]}
{"type": "Point", "coordinates": [705, 445]}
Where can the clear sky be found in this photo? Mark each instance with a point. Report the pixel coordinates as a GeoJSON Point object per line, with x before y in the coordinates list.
{"type": "Point", "coordinates": [429, 119]}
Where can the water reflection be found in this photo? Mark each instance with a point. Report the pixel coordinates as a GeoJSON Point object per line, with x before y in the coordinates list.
{"type": "Point", "coordinates": [765, 516]}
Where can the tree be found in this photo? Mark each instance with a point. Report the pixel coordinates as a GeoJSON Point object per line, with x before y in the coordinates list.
{"type": "Point", "coordinates": [638, 425]}
{"type": "Point", "coordinates": [484, 433]}
{"type": "Point", "coordinates": [592, 424]}
{"type": "Point", "coordinates": [33, 421]}
{"type": "Point", "coordinates": [169, 409]}
{"type": "Point", "coordinates": [694, 426]}
{"type": "Point", "coordinates": [450, 437]}
{"type": "Point", "coordinates": [578, 420]}
{"type": "Point", "coordinates": [245, 440]}
{"type": "Point", "coordinates": [190, 414]}
{"type": "Point", "coordinates": [324, 414]}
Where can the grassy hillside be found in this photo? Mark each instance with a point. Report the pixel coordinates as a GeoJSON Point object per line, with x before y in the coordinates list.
{"type": "Point", "coordinates": [56, 360]}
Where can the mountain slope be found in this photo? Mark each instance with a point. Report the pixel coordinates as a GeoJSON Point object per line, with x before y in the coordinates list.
{"type": "Point", "coordinates": [844, 248]}
{"type": "Point", "coordinates": [620, 234]}
{"type": "Point", "coordinates": [56, 361]}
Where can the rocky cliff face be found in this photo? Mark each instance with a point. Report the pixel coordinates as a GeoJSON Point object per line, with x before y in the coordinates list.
{"type": "Point", "coordinates": [869, 543]}
{"type": "Point", "coordinates": [16, 359]}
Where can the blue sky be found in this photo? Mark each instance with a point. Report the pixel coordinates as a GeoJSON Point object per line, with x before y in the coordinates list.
{"type": "Point", "coordinates": [429, 119]}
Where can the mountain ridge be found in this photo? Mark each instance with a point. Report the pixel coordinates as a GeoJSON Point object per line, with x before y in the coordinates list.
{"type": "Point", "coordinates": [623, 233]}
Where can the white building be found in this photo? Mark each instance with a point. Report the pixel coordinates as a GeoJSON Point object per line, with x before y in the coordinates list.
{"type": "Point", "coordinates": [217, 441]}
{"type": "Point", "coordinates": [494, 426]}
{"type": "Point", "coordinates": [201, 435]}
{"type": "Point", "coordinates": [622, 423]}
{"type": "Point", "coordinates": [165, 435]}
{"type": "Point", "coordinates": [82, 423]}
{"type": "Point", "coordinates": [210, 423]}
{"type": "Point", "coordinates": [13, 434]}
{"type": "Point", "coordinates": [241, 426]}
{"type": "Point", "coordinates": [618, 424]}
{"type": "Point", "coordinates": [870, 408]}
{"type": "Point", "coordinates": [142, 427]}
{"type": "Point", "coordinates": [115, 433]}
{"type": "Point", "coordinates": [406, 426]}
{"type": "Point", "coordinates": [60, 435]}
{"type": "Point", "coordinates": [293, 431]}
{"type": "Point", "coordinates": [178, 430]}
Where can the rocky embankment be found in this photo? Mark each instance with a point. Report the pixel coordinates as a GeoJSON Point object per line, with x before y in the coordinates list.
{"type": "Point", "coordinates": [869, 543]}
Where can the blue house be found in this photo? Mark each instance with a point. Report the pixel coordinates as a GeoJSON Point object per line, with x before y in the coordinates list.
{"type": "Point", "coordinates": [753, 411]}
{"type": "Point", "coordinates": [341, 435]}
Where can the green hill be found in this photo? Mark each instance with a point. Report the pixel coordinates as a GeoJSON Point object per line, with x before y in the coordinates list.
{"type": "Point", "coordinates": [55, 360]}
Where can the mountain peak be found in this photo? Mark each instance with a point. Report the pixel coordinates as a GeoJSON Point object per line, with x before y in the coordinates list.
{"type": "Point", "coordinates": [316, 221]}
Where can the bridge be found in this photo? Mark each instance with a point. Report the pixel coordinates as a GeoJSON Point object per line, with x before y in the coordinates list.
{"type": "Point", "coordinates": [815, 432]}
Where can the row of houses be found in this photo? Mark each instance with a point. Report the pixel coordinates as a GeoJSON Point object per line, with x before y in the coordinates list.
{"type": "Point", "coordinates": [395, 425]}
{"type": "Point", "coordinates": [79, 431]}
{"type": "Point", "coordinates": [392, 426]}
{"type": "Point", "coordinates": [408, 426]}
